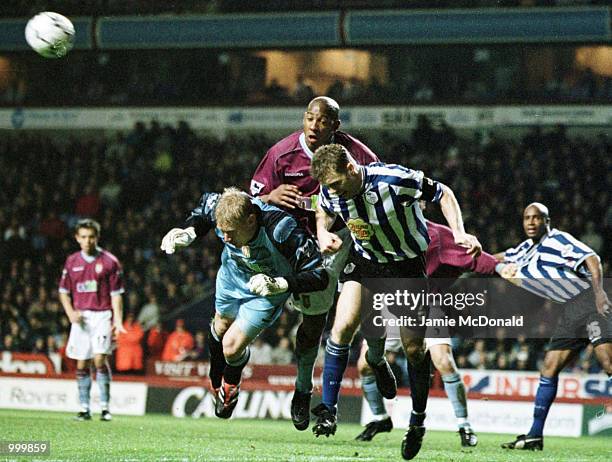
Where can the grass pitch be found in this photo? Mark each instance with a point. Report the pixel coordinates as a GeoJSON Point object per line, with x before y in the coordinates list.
{"type": "Point", "coordinates": [168, 439]}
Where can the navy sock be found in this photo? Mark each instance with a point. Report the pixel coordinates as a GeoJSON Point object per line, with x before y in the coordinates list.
{"type": "Point", "coordinates": [419, 376]}
{"type": "Point", "coordinates": [336, 360]}
{"type": "Point", "coordinates": [217, 360]}
{"type": "Point", "coordinates": [547, 391]}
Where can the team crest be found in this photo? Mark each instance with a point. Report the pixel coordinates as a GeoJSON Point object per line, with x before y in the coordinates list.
{"type": "Point", "coordinates": [360, 229]}
{"type": "Point", "coordinates": [349, 268]}
{"type": "Point", "coordinates": [566, 251]}
{"type": "Point", "coordinates": [99, 268]}
{"type": "Point", "coordinates": [371, 197]}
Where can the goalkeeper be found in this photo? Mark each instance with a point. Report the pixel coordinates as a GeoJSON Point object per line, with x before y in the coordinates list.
{"type": "Point", "coordinates": [267, 257]}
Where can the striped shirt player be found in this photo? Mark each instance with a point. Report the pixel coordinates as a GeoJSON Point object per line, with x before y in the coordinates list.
{"type": "Point", "coordinates": [554, 265]}
{"type": "Point", "coordinates": [379, 205]}
{"type": "Point", "coordinates": [90, 291]}
{"type": "Point", "coordinates": [385, 219]}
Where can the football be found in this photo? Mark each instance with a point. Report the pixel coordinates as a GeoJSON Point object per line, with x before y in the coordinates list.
{"type": "Point", "coordinates": [50, 34]}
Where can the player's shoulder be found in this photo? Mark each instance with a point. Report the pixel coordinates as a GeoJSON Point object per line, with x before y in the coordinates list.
{"type": "Point", "coordinates": [357, 148]}
{"type": "Point", "coordinates": [286, 146]}
{"type": "Point", "coordinates": [106, 255]}
{"type": "Point", "coordinates": [278, 223]}
{"type": "Point", "coordinates": [73, 257]}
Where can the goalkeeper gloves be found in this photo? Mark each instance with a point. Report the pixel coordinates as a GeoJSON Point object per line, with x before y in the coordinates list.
{"type": "Point", "coordinates": [266, 286]}
{"type": "Point", "coordinates": [177, 237]}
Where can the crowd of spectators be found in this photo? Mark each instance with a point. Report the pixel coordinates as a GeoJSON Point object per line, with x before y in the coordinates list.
{"type": "Point", "coordinates": [142, 183]}
{"type": "Point", "coordinates": [479, 75]}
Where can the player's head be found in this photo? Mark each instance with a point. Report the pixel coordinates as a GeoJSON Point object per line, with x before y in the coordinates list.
{"type": "Point", "coordinates": [236, 217]}
{"type": "Point", "coordinates": [321, 120]}
{"type": "Point", "coordinates": [87, 233]}
{"type": "Point", "coordinates": [536, 221]}
{"type": "Point", "coordinates": [333, 167]}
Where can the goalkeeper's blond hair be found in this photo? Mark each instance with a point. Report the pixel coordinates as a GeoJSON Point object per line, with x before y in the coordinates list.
{"type": "Point", "coordinates": [233, 208]}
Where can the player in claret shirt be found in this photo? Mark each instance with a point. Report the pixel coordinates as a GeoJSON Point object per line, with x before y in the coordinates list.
{"type": "Point", "coordinates": [283, 179]}
{"type": "Point", "coordinates": [90, 291]}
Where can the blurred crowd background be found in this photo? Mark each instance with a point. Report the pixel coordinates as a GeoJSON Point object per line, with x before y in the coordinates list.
{"type": "Point", "coordinates": [141, 183]}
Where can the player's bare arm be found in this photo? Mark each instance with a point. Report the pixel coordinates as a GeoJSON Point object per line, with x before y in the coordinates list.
{"type": "Point", "coordinates": [452, 213]}
{"type": "Point", "coordinates": [74, 315]}
{"type": "Point", "coordinates": [117, 304]}
{"type": "Point", "coordinates": [328, 242]}
{"type": "Point", "coordinates": [286, 195]}
{"type": "Point", "coordinates": [601, 298]}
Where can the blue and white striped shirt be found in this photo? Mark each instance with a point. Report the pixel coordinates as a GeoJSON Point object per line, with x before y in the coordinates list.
{"type": "Point", "coordinates": [552, 268]}
{"type": "Point", "coordinates": [385, 219]}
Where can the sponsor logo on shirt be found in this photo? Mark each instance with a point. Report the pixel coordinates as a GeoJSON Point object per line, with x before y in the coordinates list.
{"type": "Point", "coordinates": [360, 229]}
{"type": "Point", "coordinates": [76, 269]}
{"type": "Point", "coordinates": [99, 268]}
{"type": "Point", "coordinates": [86, 287]}
{"type": "Point", "coordinates": [294, 173]}
{"type": "Point", "coordinates": [256, 187]}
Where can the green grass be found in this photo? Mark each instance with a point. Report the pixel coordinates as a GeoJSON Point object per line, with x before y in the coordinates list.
{"type": "Point", "coordinates": [165, 438]}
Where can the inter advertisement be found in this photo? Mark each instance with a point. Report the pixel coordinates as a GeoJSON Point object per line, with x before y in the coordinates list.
{"type": "Point", "coordinates": [487, 416]}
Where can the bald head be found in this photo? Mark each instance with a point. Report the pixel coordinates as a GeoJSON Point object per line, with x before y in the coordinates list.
{"type": "Point", "coordinates": [320, 122]}
{"type": "Point", "coordinates": [326, 105]}
{"type": "Point", "coordinates": [539, 206]}
{"type": "Point", "coordinates": [536, 220]}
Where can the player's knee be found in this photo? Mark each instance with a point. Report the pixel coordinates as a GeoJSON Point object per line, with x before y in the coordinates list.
{"type": "Point", "coordinates": [414, 352]}
{"type": "Point", "coordinates": [443, 364]}
{"type": "Point", "coordinates": [231, 349]}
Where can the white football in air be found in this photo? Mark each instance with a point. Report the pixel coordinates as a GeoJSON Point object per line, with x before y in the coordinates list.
{"type": "Point", "coordinates": [50, 34]}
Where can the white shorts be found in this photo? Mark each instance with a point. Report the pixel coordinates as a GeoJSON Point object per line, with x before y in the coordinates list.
{"type": "Point", "coordinates": [313, 303]}
{"type": "Point", "coordinates": [395, 344]}
{"type": "Point", "coordinates": [91, 337]}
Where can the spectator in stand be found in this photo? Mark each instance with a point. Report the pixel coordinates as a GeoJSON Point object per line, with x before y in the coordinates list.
{"type": "Point", "coordinates": [261, 352]}
{"type": "Point", "coordinates": [156, 340]}
{"type": "Point", "coordinates": [88, 205]}
{"type": "Point", "coordinates": [129, 354]}
{"type": "Point", "coordinates": [282, 353]}
{"type": "Point", "coordinates": [200, 350]}
{"type": "Point", "coordinates": [179, 343]}
{"type": "Point", "coordinates": [149, 313]}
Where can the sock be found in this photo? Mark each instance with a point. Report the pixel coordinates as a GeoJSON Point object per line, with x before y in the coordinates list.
{"type": "Point", "coordinates": [217, 360]}
{"type": "Point", "coordinates": [103, 379]}
{"type": "Point", "coordinates": [84, 383]}
{"type": "Point", "coordinates": [547, 391]}
{"type": "Point", "coordinates": [419, 378]}
{"type": "Point", "coordinates": [233, 370]}
{"type": "Point", "coordinates": [336, 360]}
{"type": "Point", "coordinates": [455, 390]}
{"type": "Point", "coordinates": [373, 396]}
{"type": "Point", "coordinates": [376, 350]}
{"type": "Point", "coordinates": [306, 359]}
